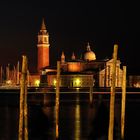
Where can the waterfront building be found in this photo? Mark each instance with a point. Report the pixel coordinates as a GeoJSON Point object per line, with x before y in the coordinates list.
{"type": "Point", "coordinates": [134, 81]}
{"type": "Point", "coordinates": [77, 72]}
{"type": "Point", "coordinates": [105, 75]}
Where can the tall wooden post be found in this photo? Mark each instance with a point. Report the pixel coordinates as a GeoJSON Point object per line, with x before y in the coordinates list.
{"type": "Point", "coordinates": [23, 125]}
{"type": "Point", "coordinates": [123, 103]}
{"type": "Point", "coordinates": [91, 95]}
{"type": "Point", "coordinates": [57, 99]}
{"type": "Point", "coordinates": [112, 95]}
{"type": "Point", "coordinates": [25, 109]}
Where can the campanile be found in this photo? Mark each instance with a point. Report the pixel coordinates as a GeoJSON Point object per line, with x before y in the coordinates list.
{"type": "Point", "coordinates": [43, 47]}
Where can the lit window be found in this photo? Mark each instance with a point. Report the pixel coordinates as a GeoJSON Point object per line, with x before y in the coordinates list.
{"type": "Point", "coordinates": [54, 82]}
{"type": "Point", "coordinates": [37, 82]}
{"type": "Point", "coordinates": [9, 82]}
{"type": "Point", "coordinates": [77, 82]}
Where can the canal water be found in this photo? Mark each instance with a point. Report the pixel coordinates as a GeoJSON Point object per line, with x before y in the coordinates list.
{"type": "Point", "coordinates": [79, 119]}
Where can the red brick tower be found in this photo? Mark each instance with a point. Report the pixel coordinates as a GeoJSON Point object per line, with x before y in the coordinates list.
{"type": "Point", "coordinates": [43, 47]}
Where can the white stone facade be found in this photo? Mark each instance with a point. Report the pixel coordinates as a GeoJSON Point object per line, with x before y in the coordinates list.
{"type": "Point", "coordinates": [105, 75]}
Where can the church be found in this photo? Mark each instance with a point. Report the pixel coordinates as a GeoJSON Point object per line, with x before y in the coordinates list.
{"type": "Point", "coordinates": [85, 71]}
{"type": "Point", "coordinates": [77, 72]}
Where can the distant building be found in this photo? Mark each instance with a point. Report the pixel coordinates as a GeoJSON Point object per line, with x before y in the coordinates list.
{"type": "Point", "coordinates": [68, 80]}
{"type": "Point", "coordinates": [82, 72]}
{"type": "Point", "coordinates": [43, 47]}
{"type": "Point", "coordinates": [78, 71]}
{"type": "Point", "coordinates": [105, 75]}
{"type": "Point", "coordinates": [134, 81]}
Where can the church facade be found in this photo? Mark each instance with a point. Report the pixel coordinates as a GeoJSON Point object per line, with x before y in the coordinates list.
{"type": "Point", "coordinates": [105, 75]}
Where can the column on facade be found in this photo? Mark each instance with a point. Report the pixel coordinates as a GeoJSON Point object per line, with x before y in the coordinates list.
{"type": "Point", "coordinates": [108, 77]}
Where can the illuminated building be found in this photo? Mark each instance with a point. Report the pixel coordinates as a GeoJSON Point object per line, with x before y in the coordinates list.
{"type": "Point", "coordinates": [89, 55]}
{"type": "Point", "coordinates": [43, 47]}
{"type": "Point", "coordinates": [70, 80]}
{"type": "Point", "coordinates": [105, 74]}
{"type": "Point", "coordinates": [79, 71]}
{"type": "Point", "coordinates": [83, 72]}
{"type": "Point", "coordinates": [134, 81]}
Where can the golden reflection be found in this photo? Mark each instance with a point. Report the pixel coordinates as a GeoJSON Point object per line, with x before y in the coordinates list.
{"type": "Point", "coordinates": [77, 89]}
{"type": "Point", "coordinates": [77, 120]}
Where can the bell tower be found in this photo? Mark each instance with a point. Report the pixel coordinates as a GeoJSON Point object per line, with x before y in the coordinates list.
{"type": "Point", "coordinates": [43, 47]}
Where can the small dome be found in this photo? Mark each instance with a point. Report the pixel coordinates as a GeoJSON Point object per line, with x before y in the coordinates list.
{"type": "Point", "coordinates": [89, 55]}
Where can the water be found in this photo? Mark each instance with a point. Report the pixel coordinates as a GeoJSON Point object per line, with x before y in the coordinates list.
{"type": "Point", "coordinates": [78, 119]}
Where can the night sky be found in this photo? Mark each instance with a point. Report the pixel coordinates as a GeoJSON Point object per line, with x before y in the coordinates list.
{"type": "Point", "coordinates": [71, 24]}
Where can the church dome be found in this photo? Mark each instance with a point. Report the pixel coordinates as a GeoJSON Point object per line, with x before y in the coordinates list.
{"type": "Point", "coordinates": [89, 55]}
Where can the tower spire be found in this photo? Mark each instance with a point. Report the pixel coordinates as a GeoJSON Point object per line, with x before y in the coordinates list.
{"type": "Point", "coordinates": [88, 47]}
{"type": "Point", "coordinates": [73, 56]}
{"type": "Point", "coordinates": [62, 58]}
{"type": "Point", "coordinates": [43, 26]}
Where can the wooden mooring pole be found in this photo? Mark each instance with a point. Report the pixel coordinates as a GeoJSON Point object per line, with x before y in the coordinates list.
{"type": "Point", "coordinates": [57, 99]}
{"type": "Point", "coordinates": [112, 95]}
{"type": "Point", "coordinates": [23, 119]}
{"type": "Point", "coordinates": [123, 103]}
{"type": "Point", "coordinates": [91, 95]}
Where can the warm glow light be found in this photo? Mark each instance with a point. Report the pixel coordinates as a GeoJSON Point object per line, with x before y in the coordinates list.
{"type": "Point", "coordinates": [37, 82]}
{"type": "Point", "coordinates": [77, 82]}
{"type": "Point", "coordinates": [77, 89]}
{"type": "Point", "coordinates": [54, 82]}
{"type": "Point", "coordinates": [9, 82]}
{"type": "Point", "coordinates": [137, 85]}
{"type": "Point", "coordinates": [77, 120]}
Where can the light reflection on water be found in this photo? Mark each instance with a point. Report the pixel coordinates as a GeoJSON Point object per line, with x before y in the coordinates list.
{"type": "Point", "coordinates": [77, 131]}
{"type": "Point", "coordinates": [78, 120]}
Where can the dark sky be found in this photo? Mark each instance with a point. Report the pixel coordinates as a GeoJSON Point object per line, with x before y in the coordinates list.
{"type": "Point", "coordinates": [71, 24]}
